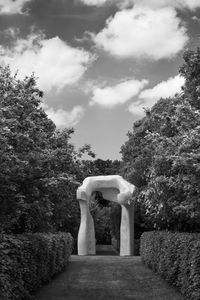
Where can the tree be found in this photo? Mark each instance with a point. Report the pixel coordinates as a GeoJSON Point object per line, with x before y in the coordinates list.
{"type": "Point", "coordinates": [162, 157]}
{"type": "Point", "coordinates": [190, 70]}
{"type": "Point", "coordinates": [39, 166]}
{"type": "Point", "coordinates": [172, 194]}
{"type": "Point", "coordinates": [99, 166]}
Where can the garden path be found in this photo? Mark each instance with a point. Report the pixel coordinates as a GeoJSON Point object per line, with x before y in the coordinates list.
{"type": "Point", "coordinates": [108, 277]}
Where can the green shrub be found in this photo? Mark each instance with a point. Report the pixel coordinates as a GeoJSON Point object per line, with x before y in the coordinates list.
{"type": "Point", "coordinates": [27, 261]}
{"type": "Point", "coordinates": [176, 257]}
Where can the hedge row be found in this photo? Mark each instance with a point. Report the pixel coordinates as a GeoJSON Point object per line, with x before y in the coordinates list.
{"type": "Point", "coordinates": [27, 261]}
{"type": "Point", "coordinates": [176, 257]}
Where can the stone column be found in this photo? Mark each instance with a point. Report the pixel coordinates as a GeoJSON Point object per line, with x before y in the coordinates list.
{"type": "Point", "coordinates": [86, 234]}
{"type": "Point", "coordinates": [127, 230]}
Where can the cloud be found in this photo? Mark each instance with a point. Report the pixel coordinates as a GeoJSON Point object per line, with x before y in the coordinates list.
{"type": "Point", "coordinates": [137, 108]}
{"type": "Point", "coordinates": [95, 2]}
{"type": "Point", "coordinates": [180, 4]}
{"type": "Point", "coordinates": [149, 97]}
{"type": "Point", "coordinates": [54, 62]}
{"type": "Point", "coordinates": [111, 96]}
{"type": "Point", "coordinates": [196, 19]}
{"type": "Point", "coordinates": [11, 32]}
{"type": "Point", "coordinates": [10, 7]}
{"type": "Point", "coordinates": [63, 118]}
{"type": "Point", "coordinates": [164, 89]}
{"type": "Point", "coordinates": [191, 4]}
{"type": "Point", "coordinates": [143, 32]}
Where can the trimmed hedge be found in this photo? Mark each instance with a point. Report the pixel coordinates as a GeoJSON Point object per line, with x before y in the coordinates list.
{"type": "Point", "coordinates": [27, 261]}
{"type": "Point", "coordinates": [176, 257]}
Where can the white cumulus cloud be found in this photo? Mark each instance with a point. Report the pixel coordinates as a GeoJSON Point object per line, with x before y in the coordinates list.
{"type": "Point", "coordinates": [137, 108]}
{"type": "Point", "coordinates": [54, 62]}
{"type": "Point", "coordinates": [143, 32]}
{"type": "Point", "coordinates": [12, 6]}
{"type": "Point", "coordinates": [111, 96]}
{"type": "Point", "coordinates": [149, 97]}
{"type": "Point", "coordinates": [180, 4]}
{"type": "Point", "coordinates": [63, 118]}
{"type": "Point", "coordinates": [95, 2]}
{"type": "Point", "coordinates": [164, 89]}
{"type": "Point", "coordinates": [189, 4]}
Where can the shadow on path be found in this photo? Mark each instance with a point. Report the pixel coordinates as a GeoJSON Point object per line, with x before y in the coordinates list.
{"type": "Point", "coordinates": [107, 278]}
{"type": "Point", "coordinates": [106, 250]}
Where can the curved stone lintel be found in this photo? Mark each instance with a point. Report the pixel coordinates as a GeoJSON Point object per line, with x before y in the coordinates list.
{"type": "Point", "coordinates": [100, 183]}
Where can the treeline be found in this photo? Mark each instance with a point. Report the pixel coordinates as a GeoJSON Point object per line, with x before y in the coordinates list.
{"type": "Point", "coordinates": [162, 157]}
{"type": "Point", "coordinates": [40, 169]}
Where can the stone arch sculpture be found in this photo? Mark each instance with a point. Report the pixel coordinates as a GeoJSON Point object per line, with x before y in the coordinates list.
{"type": "Point", "coordinates": [113, 188]}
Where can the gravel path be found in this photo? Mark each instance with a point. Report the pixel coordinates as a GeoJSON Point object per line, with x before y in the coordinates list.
{"type": "Point", "coordinates": [107, 278]}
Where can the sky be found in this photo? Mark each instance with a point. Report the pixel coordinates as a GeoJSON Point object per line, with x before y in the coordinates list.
{"type": "Point", "coordinates": [100, 63]}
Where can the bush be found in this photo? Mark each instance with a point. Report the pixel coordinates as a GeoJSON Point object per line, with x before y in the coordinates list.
{"type": "Point", "coordinates": [27, 261]}
{"type": "Point", "coordinates": [176, 257]}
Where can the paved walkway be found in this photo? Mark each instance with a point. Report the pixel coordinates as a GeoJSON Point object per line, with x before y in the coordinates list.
{"type": "Point", "coordinates": [107, 278]}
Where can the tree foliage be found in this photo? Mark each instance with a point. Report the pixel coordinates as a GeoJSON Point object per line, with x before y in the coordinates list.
{"type": "Point", "coordinates": [99, 166]}
{"type": "Point", "coordinates": [39, 166]}
{"type": "Point", "coordinates": [40, 169]}
{"type": "Point", "coordinates": [162, 156]}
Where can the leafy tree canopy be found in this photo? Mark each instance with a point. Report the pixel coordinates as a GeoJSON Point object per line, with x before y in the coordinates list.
{"type": "Point", "coordinates": [162, 156]}
{"type": "Point", "coordinates": [39, 166]}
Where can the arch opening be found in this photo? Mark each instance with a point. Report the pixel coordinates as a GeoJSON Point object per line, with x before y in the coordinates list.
{"type": "Point", "coordinates": [101, 211]}
{"type": "Point", "coordinates": [113, 188]}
